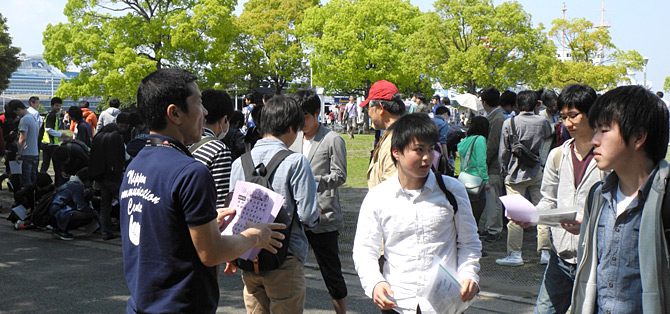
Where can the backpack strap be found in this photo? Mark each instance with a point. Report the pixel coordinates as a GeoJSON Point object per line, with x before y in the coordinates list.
{"type": "Point", "coordinates": [204, 140]}
{"type": "Point", "coordinates": [450, 196]}
{"type": "Point", "coordinates": [516, 136]}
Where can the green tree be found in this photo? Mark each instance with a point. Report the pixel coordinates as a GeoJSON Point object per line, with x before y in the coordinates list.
{"type": "Point", "coordinates": [469, 44]}
{"type": "Point", "coordinates": [357, 42]}
{"type": "Point", "coordinates": [269, 42]}
{"type": "Point", "coordinates": [593, 58]}
{"type": "Point", "coordinates": [666, 84]}
{"type": "Point", "coordinates": [116, 43]}
{"type": "Point", "coordinates": [9, 60]}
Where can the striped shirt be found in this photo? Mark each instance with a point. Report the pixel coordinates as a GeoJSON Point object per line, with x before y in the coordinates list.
{"type": "Point", "coordinates": [216, 156]}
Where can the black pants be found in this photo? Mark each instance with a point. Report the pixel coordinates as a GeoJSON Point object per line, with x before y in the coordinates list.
{"type": "Point", "coordinates": [326, 251]}
{"type": "Point", "coordinates": [47, 152]}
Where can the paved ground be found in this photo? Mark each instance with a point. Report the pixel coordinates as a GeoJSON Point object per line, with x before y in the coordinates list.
{"type": "Point", "coordinates": [42, 274]}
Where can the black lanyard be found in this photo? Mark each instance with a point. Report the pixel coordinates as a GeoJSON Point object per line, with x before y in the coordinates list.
{"type": "Point", "coordinates": [163, 141]}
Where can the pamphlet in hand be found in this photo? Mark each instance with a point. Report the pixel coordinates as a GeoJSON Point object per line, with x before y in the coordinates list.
{"type": "Point", "coordinates": [253, 204]}
{"type": "Point", "coordinates": [519, 208]}
{"type": "Point", "coordinates": [554, 217]}
{"type": "Point", "coordinates": [443, 291]}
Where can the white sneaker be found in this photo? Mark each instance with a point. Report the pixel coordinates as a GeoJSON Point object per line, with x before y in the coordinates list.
{"type": "Point", "coordinates": [544, 257]}
{"type": "Point", "coordinates": [513, 259]}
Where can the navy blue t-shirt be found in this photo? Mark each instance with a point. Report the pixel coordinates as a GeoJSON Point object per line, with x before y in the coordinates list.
{"type": "Point", "coordinates": [164, 191]}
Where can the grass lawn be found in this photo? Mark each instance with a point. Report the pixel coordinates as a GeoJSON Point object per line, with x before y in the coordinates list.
{"type": "Point", "coordinates": [358, 159]}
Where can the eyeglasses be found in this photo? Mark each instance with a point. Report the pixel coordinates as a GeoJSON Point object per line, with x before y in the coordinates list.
{"type": "Point", "coordinates": [570, 115]}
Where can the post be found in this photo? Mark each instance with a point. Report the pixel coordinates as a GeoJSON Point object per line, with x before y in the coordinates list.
{"type": "Point", "coordinates": [645, 61]}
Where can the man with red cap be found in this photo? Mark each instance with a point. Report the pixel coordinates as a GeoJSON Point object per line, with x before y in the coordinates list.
{"type": "Point", "coordinates": [385, 106]}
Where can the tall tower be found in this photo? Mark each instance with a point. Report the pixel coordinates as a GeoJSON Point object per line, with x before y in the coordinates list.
{"type": "Point", "coordinates": [600, 56]}
{"type": "Point", "coordinates": [563, 56]}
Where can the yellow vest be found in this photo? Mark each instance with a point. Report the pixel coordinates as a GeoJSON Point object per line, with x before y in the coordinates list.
{"type": "Point", "coordinates": [46, 138]}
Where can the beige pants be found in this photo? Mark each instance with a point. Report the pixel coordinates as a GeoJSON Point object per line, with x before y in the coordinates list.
{"type": "Point", "coordinates": [514, 231]}
{"type": "Point", "coordinates": [277, 291]}
{"type": "Point", "coordinates": [491, 220]}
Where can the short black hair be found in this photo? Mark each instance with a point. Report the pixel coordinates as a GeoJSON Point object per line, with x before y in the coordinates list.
{"type": "Point", "coordinates": [236, 119]}
{"type": "Point", "coordinates": [158, 90]}
{"type": "Point", "coordinates": [394, 106]}
{"type": "Point", "coordinates": [412, 126]}
{"type": "Point", "coordinates": [637, 111]}
{"type": "Point", "coordinates": [84, 104]}
{"type": "Point", "coordinates": [218, 104]}
{"type": "Point", "coordinates": [114, 103]}
{"type": "Point", "coordinates": [508, 98]}
{"type": "Point", "coordinates": [436, 97]}
{"type": "Point", "coordinates": [491, 96]}
{"type": "Point", "coordinates": [549, 98]}
{"type": "Point", "coordinates": [280, 114]}
{"type": "Point", "coordinates": [308, 100]}
{"type": "Point", "coordinates": [75, 113]}
{"type": "Point", "coordinates": [33, 99]}
{"type": "Point", "coordinates": [527, 100]}
{"type": "Point", "coordinates": [421, 97]}
{"type": "Point", "coordinates": [578, 96]}
{"type": "Point", "coordinates": [479, 125]}
{"type": "Point", "coordinates": [267, 97]}
{"type": "Point", "coordinates": [442, 110]}
{"type": "Point", "coordinates": [123, 117]}
{"type": "Point", "coordinates": [56, 100]}
{"type": "Point", "coordinates": [659, 94]}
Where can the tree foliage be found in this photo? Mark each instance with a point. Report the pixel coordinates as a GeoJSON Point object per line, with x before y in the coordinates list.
{"type": "Point", "coordinates": [469, 44]}
{"type": "Point", "coordinates": [666, 84]}
{"type": "Point", "coordinates": [270, 46]}
{"type": "Point", "coordinates": [9, 60]}
{"type": "Point", "coordinates": [116, 43]}
{"type": "Point", "coordinates": [357, 42]}
{"type": "Point", "coordinates": [594, 59]}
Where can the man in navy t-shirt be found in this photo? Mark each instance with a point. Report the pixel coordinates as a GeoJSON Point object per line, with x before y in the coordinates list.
{"type": "Point", "coordinates": [169, 225]}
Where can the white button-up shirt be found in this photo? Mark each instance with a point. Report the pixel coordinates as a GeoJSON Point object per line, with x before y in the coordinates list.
{"type": "Point", "coordinates": [415, 228]}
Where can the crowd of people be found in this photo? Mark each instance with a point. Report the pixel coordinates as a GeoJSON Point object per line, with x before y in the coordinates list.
{"type": "Point", "coordinates": [162, 174]}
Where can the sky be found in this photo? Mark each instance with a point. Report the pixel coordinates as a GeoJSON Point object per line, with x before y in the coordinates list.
{"type": "Point", "coordinates": [634, 25]}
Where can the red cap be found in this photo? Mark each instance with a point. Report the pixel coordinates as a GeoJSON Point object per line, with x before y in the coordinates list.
{"type": "Point", "coordinates": [380, 90]}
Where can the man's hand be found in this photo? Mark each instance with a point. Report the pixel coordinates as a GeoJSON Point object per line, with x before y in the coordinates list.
{"type": "Point", "coordinates": [224, 217]}
{"type": "Point", "coordinates": [265, 236]}
{"type": "Point", "coordinates": [522, 224]}
{"type": "Point", "coordinates": [571, 226]}
{"type": "Point", "coordinates": [382, 295]}
{"type": "Point", "coordinates": [469, 289]}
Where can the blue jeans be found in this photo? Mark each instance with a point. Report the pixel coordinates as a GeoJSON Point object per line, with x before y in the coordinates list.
{"type": "Point", "coordinates": [556, 290]}
{"type": "Point", "coordinates": [28, 170]}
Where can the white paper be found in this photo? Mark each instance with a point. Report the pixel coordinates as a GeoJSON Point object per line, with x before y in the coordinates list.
{"type": "Point", "coordinates": [443, 291]}
{"type": "Point", "coordinates": [15, 166]}
{"type": "Point", "coordinates": [519, 208]}
{"type": "Point", "coordinates": [253, 204]}
{"type": "Point", "coordinates": [554, 217]}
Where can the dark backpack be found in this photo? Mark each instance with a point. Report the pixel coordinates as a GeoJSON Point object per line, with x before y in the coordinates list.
{"type": "Point", "coordinates": [525, 156]}
{"type": "Point", "coordinates": [40, 216]}
{"type": "Point", "coordinates": [443, 165]}
{"type": "Point", "coordinates": [263, 175]}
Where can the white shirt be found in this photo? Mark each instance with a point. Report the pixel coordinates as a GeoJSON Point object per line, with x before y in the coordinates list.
{"type": "Point", "coordinates": [415, 227]}
{"type": "Point", "coordinates": [306, 146]}
{"type": "Point", "coordinates": [36, 115]}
